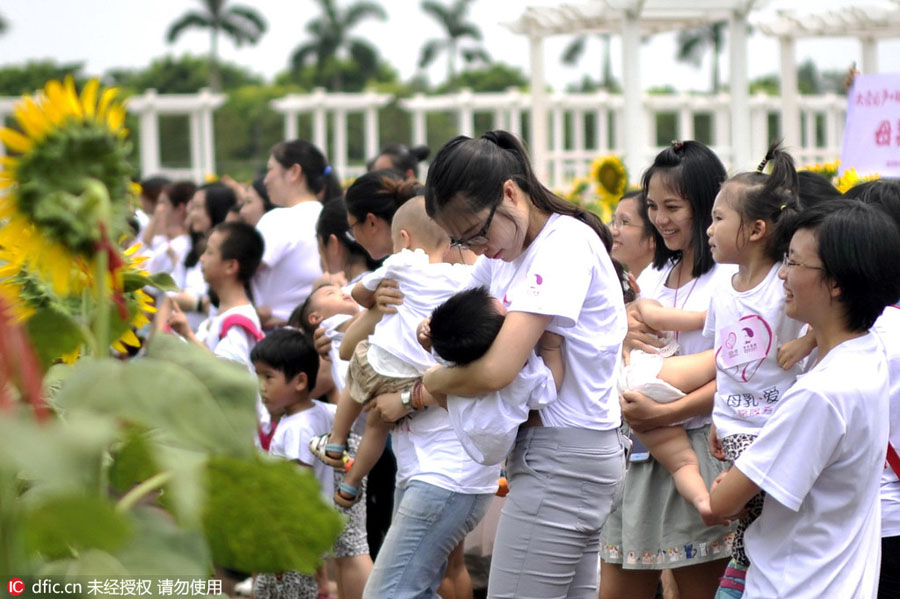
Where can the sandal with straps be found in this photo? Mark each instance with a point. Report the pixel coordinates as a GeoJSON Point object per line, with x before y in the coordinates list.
{"type": "Point", "coordinates": [325, 451]}
{"type": "Point", "coordinates": [346, 495]}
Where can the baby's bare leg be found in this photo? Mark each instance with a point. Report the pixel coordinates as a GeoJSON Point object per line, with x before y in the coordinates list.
{"type": "Point", "coordinates": [672, 448]}
{"type": "Point", "coordinates": [370, 448]}
{"type": "Point", "coordinates": [347, 412]}
{"type": "Point", "coordinates": [690, 372]}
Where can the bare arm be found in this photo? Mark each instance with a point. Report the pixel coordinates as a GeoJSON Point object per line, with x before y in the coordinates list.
{"type": "Point", "coordinates": [669, 319]}
{"type": "Point", "coordinates": [550, 350]}
{"type": "Point", "coordinates": [497, 368]}
{"type": "Point", "coordinates": [358, 330]}
{"type": "Point", "coordinates": [730, 493]}
{"type": "Point", "coordinates": [363, 296]}
{"type": "Point", "coordinates": [643, 414]}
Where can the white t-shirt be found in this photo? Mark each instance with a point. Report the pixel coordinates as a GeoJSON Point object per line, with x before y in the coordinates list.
{"type": "Point", "coordinates": [339, 367]}
{"type": "Point", "coordinates": [194, 283]}
{"type": "Point", "coordinates": [427, 450]}
{"type": "Point", "coordinates": [819, 459]}
{"type": "Point", "coordinates": [887, 328]}
{"type": "Point", "coordinates": [567, 273]}
{"type": "Point", "coordinates": [693, 296]}
{"type": "Point", "coordinates": [748, 327]}
{"type": "Point", "coordinates": [486, 426]}
{"type": "Point", "coordinates": [425, 286]}
{"type": "Point", "coordinates": [235, 346]}
{"type": "Point", "coordinates": [290, 262]}
{"type": "Point", "coordinates": [159, 259]}
{"type": "Point", "coordinates": [291, 441]}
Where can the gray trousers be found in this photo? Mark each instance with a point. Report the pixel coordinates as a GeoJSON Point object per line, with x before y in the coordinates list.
{"type": "Point", "coordinates": [563, 485]}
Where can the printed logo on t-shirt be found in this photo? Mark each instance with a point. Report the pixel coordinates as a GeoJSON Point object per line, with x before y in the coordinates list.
{"type": "Point", "coordinates": [744, 345]}
{"type": "Point", "coordinates": [534, 288]}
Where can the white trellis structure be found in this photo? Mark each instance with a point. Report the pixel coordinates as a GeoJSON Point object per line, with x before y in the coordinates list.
{"type": "Point", "coordinates": [199, 109]}
{"type": "Point", "coordinates": [866, 23]}
{"type": "Point", "coordinates": [322, 104]}
{"type": "Point", "coordinates": [632, 19]}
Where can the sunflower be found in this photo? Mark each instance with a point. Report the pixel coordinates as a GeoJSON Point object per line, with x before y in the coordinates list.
{"type": "Point", "coordinates": [851, 179]}
{"type": "Point", "coordinates": [66, 183]}
{"type": "Point", "coordinates": [609, 177]}
{"type": "Point", "coordinates": [827, 169]}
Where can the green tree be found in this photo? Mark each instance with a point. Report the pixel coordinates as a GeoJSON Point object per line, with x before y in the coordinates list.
{"type": "Point", "coordinates": [692, 44]}
{"type": "Point", "coordinates": [331, 39]}
{"type": "Point", "coordinates": [497, 77]}
{"type": "Point", "coordinates": [184, 75]}
{"type": "Point", "coordinates": [3, 24]}
{"type": "Point", "coordinates": [575, 50]}
{"type": "Point", "coordinates": [18, 80]}
{"type": "Point", "coordinates": [456, 28]}
{"type": "Point", "coordinates": [240, 23]}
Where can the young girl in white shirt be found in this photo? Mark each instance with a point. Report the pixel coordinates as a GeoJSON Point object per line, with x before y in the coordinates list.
{"type": "Point", "coordinates": [747, 320]}
{"type": "Point", "coordinates": [820, 455]}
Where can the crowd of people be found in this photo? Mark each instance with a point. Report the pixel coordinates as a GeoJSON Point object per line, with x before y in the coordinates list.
{"type": "Point", "coordinates": [708, 386]}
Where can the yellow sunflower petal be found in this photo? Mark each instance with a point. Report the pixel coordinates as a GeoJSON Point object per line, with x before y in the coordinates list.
{"type": "Point", "coordinates": [32, 119]}
{"type": "Point", "coordinates": [106, 99]}
{"type": "Point", "coordinates": [71, 96]}
{"type": "Point", "coordinates": [129, 338]}
{"type": "Point", "coordinates": [115, 118]}
{"type": "Point", "coordinates": [89, 98]}
{"type": "Point", "coordinates": [119, 347]}
{"type": "Point", "coordinates": [15, 141]}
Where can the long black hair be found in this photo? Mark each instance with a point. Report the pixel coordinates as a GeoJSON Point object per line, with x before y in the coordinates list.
{"type": "Point", "coordinates": [219, 199]}
{"type": "Point", "coordinates": [695, 172]}
{"type": "Point", "coordinates": [333, 221]}
{"type": "Point", "coordinates": [475, 170]}
{"type": "Point", "coordinates": [309, 157]}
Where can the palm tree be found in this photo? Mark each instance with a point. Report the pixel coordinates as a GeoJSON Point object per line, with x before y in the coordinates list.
{"type": "Point", "coordinates": [692, 44]}
{"type": "Point", "coordinates": [453, 20]}
{"type": "Point", "coordinates": [331, 36]}
{"type": "Point", "coordinates": [573, 52]}
{"type": "Point", "coordinates": [2, 24]}
{"type": "Point", "coordinates": [240, 23]}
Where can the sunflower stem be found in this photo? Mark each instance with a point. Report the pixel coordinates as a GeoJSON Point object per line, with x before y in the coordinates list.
{"type": "Point", "coordinates": [101, 318]}
{"type": "Point", "coordinates": [148, 486]}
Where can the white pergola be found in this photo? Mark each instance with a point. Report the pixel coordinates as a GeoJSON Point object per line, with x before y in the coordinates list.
{"type": "Point", "coordinates": [199, 108]}
{"type": "Point", "coordinates": [867, 23]}
{"type": "Point", "coordinates": [321, 103]}
{"type": "Point", "coordinates": [632, 19]}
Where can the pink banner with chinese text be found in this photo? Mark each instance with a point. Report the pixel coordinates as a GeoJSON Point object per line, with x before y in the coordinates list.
{"type": "Point", "coordinates": [872, 132]}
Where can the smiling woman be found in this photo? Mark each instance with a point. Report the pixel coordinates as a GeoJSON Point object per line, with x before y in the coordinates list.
{"type": "Point", "coordinates": [837, 416]}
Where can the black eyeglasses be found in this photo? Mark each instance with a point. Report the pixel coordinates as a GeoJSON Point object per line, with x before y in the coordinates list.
{"type": "Point", "coordinates": [479, 238]}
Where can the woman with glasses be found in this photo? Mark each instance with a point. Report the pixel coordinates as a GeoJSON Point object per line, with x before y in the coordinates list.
{"type": "Point", "coordinates": [819, 457]}
{"type": "Point", "coordinates": [633, 242]}
{"type": "Point", "coordinates": [549, 263]}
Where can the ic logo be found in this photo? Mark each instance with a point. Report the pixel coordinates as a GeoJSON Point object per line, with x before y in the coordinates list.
{"type": "Point", "coordinates": [15, 586]}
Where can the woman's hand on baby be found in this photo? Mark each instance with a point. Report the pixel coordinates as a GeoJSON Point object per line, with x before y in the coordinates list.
{"type": "Point", "coordinates": [388, 406]}
{"type": "Point", "coordinates": [388, 296]}
{"type": "Point", "coordinates": [321, 343]}
{"type": "Point", "coordinates": [423, 333]}
{"type": "Point", "coordinates": [795, 350]}
{"type": "Point", "coordinates": [640, 335]}
{"type": "Point", "coordinates": [642, 413]}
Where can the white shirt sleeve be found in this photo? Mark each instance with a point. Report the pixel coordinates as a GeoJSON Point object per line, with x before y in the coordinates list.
{"type": "Point", "coordinates": [794, 447]}
{"type": "Point", "coordinates": [276, 242]}
{"type": "Point", "coordinates": [372, 279]}
{"type": "Point", "coordinates": [709, 326]}
{"type": "Point", "coordinates": [555, 284]}
{"type": "Point", "coordinates": [235, 345]}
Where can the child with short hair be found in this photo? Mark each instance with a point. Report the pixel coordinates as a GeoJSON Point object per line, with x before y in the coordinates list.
{"type": "Point", "coordinates": [287, 365]}
{"type": "Point", "coordinates": [329, 307]}
{"type": "Point", "coordinates": [232, 255]}
{"type": "Point", "coordinates": [391, 359]}
{"type": "Point", "coordinates": [461, 330]}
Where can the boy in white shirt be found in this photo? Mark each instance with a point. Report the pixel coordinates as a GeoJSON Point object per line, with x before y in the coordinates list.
{"type": "Point", "coordinates": [232, 254]}
{"type": "Point", "coordinates": [287, 365]}
{"type": "Point", "coordinates": [461, 330]}
{"type": "Point", "coordinates": [391, 360]}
